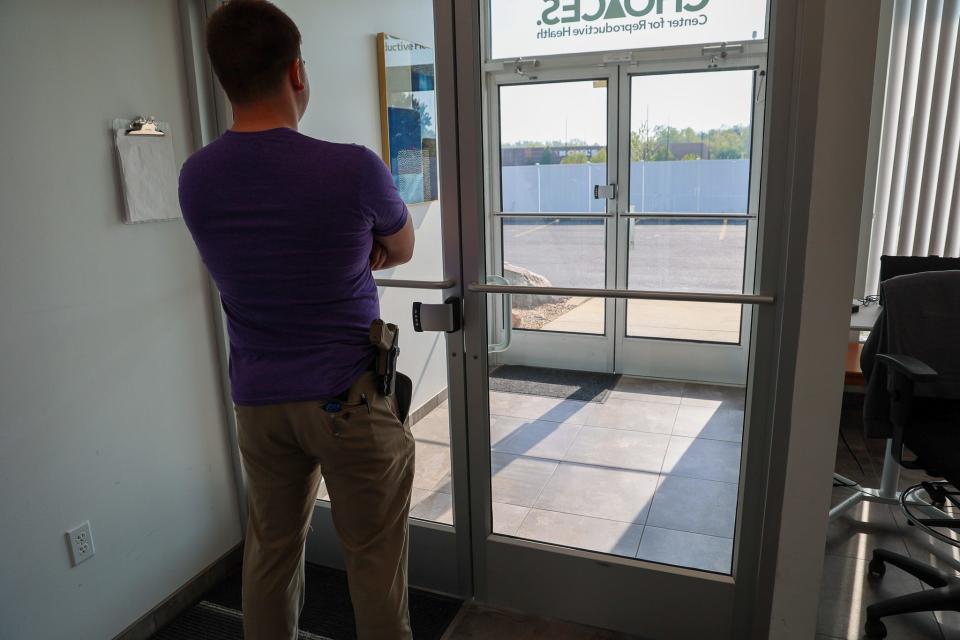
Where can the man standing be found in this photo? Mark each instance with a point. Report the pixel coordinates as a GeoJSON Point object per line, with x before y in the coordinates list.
{"type": "Point", "coordinates": [291, 229]}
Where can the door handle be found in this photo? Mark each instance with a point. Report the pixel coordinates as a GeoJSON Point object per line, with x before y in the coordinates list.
{"type": "Point", "coordinates": [437, 317]}
{"type": "Point", "coordinates": [416, 284]}
{"type": "Point", "coordinates": [604, 192]}
{"type": "Point", "coordinates": [767, 299]}
{"type": "Point", "coordinates": [504, 344]}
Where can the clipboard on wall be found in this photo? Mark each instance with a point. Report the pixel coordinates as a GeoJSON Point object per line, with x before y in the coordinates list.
{"type": "Point", "coordinates": [148, 170]}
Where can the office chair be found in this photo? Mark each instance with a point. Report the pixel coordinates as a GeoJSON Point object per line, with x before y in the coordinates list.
{"type": "Point", "coordinates": [887, 492]}
{"type": "Point", "coordinates": [893, 266]}
{"type": "Point", "coordinates": [912, 365]}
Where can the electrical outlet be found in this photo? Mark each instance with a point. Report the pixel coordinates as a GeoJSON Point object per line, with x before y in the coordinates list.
{"type": "Point", "coordinates": [80, 541]}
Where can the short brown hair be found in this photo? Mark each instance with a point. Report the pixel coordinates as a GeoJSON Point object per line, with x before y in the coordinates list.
{"type": "Point", "coordinates": [251, 44]}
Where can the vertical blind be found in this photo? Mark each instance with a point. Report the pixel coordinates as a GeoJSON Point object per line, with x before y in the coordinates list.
{"type": "Point", "coordinates": [916, 208]}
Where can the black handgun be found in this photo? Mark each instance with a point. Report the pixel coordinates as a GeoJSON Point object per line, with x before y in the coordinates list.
{"type": "Point", "coordinates": [385, 338]}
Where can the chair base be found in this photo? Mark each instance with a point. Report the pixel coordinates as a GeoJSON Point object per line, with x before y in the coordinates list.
{"type": "Point", "coordinates": [863, 494]}
{"type": "Point", "coordinates": [938, 494]}
{"type": "Point", "coordinates": [944, 595]}
{"type": "Point", "coordinates": [886, 494]}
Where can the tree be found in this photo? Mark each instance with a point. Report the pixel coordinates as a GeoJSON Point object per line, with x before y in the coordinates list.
{"type": "Point", "coordinates": [575, 157]}
{"type": "Point", "coordinates": [423, 111]}
{"type": "Point", "coordinates": [727, 154]}
{"type": "Point", "coordinates": [724, 143]}
{"type": "Point", "coordinates": [651, 144]}
{"type": "Point", "coordinates": [426, 121]}
{"type": "Point", "coordinates": [646, 145]}
{"type": "Point", "coordinates": [729, 143]}
{"type": "Point", "coordinates": [521, 144]}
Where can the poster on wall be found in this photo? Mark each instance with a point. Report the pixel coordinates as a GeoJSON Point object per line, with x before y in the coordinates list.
{"type": "Point", "coordinates": [408, 106]}
{"type": "Point", "coordinates": [526, 28]}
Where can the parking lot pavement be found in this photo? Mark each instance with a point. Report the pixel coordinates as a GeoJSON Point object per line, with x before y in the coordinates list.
{"type": "Point", "coordinates": [676, 255]}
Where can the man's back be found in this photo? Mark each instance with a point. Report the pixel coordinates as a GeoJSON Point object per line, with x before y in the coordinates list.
{"type": "Point", "coordinates": [285, 225]}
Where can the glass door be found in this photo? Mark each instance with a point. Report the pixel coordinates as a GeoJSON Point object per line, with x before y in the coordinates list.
{"type": "Point", "coordinates": [553, 164]}
{"type": "Point", "coordinates": [584, 467]}
{"type": "Point", "coordinates": [608, 472]}
{"type": "Point", "coordinates": [629, 178]}
{"type": "Point", "coordinates": [690, 161]}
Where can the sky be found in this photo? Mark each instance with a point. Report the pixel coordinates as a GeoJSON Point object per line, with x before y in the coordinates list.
{"type": "Point", "coordinates": [578, 110]}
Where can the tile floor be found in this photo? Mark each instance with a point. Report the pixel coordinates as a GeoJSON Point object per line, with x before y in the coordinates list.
{"type": "Point", "coordinates": [584, 497]}
{"type": "Point", "coordinates": [651, 473]}
{"type": "Point", "coordinates": [846, 588]}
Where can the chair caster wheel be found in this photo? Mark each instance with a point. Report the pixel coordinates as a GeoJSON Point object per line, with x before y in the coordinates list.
{"type": "Point", "coordinates": [938, 497]}
{"type": "Point", "coordinates": [877, 569]}
{"type": "Point", "coordinates": [875, 630]}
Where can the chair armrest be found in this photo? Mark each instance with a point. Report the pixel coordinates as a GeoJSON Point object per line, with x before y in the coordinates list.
{"type": "Point", "coordinates": [911, 368]}
{"type": "Point", "coordinates": [903, 374]}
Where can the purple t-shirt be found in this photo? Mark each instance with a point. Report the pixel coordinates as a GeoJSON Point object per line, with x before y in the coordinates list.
{"type": "Point", "coordinates": [285, 225]}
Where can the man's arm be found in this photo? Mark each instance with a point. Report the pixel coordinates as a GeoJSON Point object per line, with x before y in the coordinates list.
{"type": "Point", "coordinates": [393, 250]}
{"type": "Point", "coordinates": [391, 222]}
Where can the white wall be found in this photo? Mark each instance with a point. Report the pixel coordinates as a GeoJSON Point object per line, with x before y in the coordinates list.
{"type": "Point", "coordinates": [339, 45]}
{"type": "Point", "coordinates": [110, 404]}
{"type": "Point", "coordinates": [839, 168]}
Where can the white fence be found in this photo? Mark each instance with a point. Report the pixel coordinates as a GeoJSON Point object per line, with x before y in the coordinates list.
{"type": "Point", "coordinates": [681, 186]}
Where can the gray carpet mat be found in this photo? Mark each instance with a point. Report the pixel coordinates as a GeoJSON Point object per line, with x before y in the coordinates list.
{"type": "Point", "coordinates": [209, 621]}
{"type": "Point", "coordinates": [327, 612]}
{"type": "Point", "coordinates": [585, 386]}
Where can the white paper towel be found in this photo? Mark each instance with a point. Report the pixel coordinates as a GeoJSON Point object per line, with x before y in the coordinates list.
{"type": "Point", "coordinates": [148, 174]}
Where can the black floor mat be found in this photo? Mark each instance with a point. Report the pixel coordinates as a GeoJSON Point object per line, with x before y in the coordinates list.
{"type": "Point", "coordinates": [554, 383]}
{"type": "Point", "coordinates": [205, 621]}
{"type": "Point", "coordinates": [327, 612]}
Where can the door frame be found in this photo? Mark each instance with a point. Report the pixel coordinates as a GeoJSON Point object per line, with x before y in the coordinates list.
{"type": "Point", "coordinates": [206, 115]}
{"type": "Point", "coordinates": [615, 351]}
{"type": "Point", "coordinates": [543, 584]}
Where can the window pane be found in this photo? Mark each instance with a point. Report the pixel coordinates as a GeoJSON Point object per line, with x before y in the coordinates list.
{"type": "Point", "coordinates": [690, 321]}
{"type": "Point", "coordinates": [552, 188]}
{"type": "Point", "coordinates": [556, 252]}
{"type": "Point", "coordinates": [553, 148]}
{"type": "Point", "coordinates": [524, 28]}
{"type": "Point", "coordinates": [683, 254]}
{"type": "Point", "coordinates": [690, 142]}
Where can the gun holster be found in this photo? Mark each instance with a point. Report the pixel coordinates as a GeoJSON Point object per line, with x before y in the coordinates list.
{"type": "Point", "coordinates": [404, 391]}
{"type": "Point", "coordinates": [385, 338]}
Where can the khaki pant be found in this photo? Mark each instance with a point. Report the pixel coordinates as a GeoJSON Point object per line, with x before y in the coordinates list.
{"type": "Point", "coordinates": [366, 457]}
